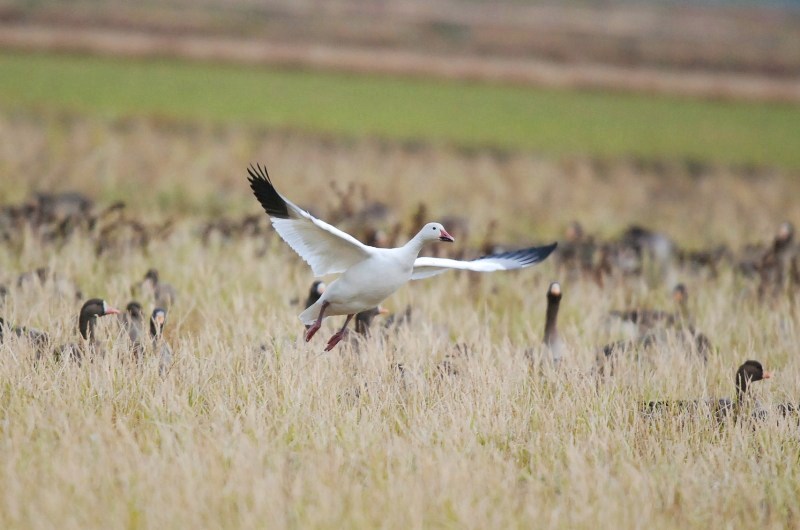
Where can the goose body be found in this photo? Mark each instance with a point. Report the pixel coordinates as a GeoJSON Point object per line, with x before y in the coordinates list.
{"type": "Point", "coordinates": [366, 284]}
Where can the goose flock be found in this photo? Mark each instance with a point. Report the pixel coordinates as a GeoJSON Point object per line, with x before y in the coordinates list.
{"type": "Point", "coordinates": [370, 273]}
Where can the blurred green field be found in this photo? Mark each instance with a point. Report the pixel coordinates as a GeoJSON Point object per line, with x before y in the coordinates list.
{"type": "Point", "coordinates": [470, 115]}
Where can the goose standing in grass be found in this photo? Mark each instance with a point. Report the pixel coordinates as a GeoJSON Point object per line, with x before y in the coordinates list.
{"type": "Point", "coordinates": [551, 337]}
{"type": "Point", "coordinates": [160, 347]}
{"type": "Point", "coordinates": [749, 372]}
{"type": "Point", "coordinates": [87, 321]}
{"type": "Point", "coordinates": [132, 321]}
{"type": "Point", "coordinates": [163, 294]}
{"type": "Point", "coordinates": [369, 274]}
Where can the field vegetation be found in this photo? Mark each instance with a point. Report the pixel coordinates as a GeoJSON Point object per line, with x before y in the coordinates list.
{"type": "Point", "coordinates": [472, 115]}
{"type": "Point", "coordinates": [252, 427]}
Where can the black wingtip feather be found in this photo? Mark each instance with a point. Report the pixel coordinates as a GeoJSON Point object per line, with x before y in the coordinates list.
{"type": "Point", "coordinates": [265, 192]}
{"type": "Point", "coordinates": [526, 256]}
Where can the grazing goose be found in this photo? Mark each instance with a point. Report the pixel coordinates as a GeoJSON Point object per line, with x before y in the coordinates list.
{"type": "Point", "coordinates": [749, 372]}
{"type": "Point", "coordinates": [87, 320]}
{"type": "Point", "coordinates": [42, 278]}
{"type": "Point", "coordinates": [687, 339]}
{"type": "Point", "coordinates": [133, 323]}
{"type": "Point", "coordinates": [551, 337]}
{"type": "Point", "coordinates": [647, 319]}
{"type": "Point", "coordinates": [369, 274]}
{"type": "Point", "coordinates": [160, 346]}
{"type": "Point", "coordinates": [163, 293]}
{"type": "Point", "coordinates": [39, 339]}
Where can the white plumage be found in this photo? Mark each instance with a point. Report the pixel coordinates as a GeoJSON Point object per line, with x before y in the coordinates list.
{"type": "Point", "coordinates": [369, 274]}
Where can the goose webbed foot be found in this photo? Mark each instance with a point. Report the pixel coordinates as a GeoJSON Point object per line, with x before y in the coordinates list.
{"type": "Point", "coordinates": [339, 335]}
{"type": "Point", "coordinates": [336, 339]}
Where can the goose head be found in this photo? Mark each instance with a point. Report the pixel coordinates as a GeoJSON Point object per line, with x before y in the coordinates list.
{"type": "Point", "coordinates": [93, 308]}
{"type": "Point", "coordinates": [157, 321]}
{"type": "Point", "coordinates": [749, 372]}
{"type": "Point", "coordinates": [435, 232]}
{"type": "Point", "coordinates": [134, 310]}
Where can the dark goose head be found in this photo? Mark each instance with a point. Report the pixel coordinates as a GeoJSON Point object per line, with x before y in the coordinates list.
{"type": "Point", "coordinates": [157, 321]}
{"type": "Point", "coordinates": [316, 290]}
{"type": "Point", "coordinates": [92, 309]}
{"type": "Point", "coordinates": [784, 237]}
{"type": "Point", "coordinates": [151, 276]}
{"type": "Point", "coordinates": [749, 372]}
{"type": "Point", "coordinates": [681, 295]}
{"type": "Point", "coordinates": [134, 310]}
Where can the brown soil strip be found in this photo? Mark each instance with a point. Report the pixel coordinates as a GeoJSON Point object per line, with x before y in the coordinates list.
{"type": "Point", "coordinates": [362, 60]}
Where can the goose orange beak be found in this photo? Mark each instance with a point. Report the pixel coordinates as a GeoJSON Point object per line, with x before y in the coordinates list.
{"type": "Point", "coordinates": [444, 236]}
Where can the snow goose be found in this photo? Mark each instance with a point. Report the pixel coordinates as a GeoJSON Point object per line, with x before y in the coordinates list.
{"type": "Point", "coordinates": [369, 275]}
{"type": "Point", "coordinates": [363, 319]}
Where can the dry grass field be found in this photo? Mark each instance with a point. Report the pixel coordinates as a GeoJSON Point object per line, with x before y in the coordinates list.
{"type": "Point", "coordinates": [253, 428]}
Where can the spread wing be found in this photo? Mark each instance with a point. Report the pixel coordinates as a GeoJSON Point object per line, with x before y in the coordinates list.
{"type": "Point", "coordinates": [506, 261]}
{"type": "Point", "coordinates": [324, 247]}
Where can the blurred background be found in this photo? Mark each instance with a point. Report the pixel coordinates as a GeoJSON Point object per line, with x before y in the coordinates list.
{"type": "Point", "coordinates": [525, 116]}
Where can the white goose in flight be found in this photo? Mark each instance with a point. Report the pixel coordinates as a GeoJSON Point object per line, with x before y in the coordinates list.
{"type": "Point", "coordinates": [369, 274]}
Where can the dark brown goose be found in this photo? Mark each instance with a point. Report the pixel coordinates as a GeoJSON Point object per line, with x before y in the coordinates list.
{"type": "Point", "coordinates": [87, 321]}
{"type": "Point", "coordinates": [647, 319]}
{"type": "Point", "coordinates": [551, 337]}
{"type": "Point", "coordinates": [163, 294]}
{"type": "Point", "coordinates": [39, 339]}
{"type": "Point", "coordinates": [749, 372]}
{"type": "Point", "coordinates": [132, 321]}
{"type": "Point", "coordinates": [776, 264]}
{"type": "Point", "coordinates": [44, 278]}
{"type": "Point", "coordinates": [160, 347]}
{"type": "Point", "coordinates": [687, 339]}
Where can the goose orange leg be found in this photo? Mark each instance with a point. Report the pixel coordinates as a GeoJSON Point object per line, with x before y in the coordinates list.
{"type": "Point", "coordinates": [316, 325]}
{"type": "Point", "coordinates": [339, 335]}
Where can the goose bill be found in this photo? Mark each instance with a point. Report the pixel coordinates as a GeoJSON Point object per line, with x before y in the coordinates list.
{"type": "Point", "coordinates": [444, 236]}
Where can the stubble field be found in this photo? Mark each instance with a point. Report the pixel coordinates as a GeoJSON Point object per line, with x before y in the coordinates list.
{"type": "Point", "coordinates": [252, 427]}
